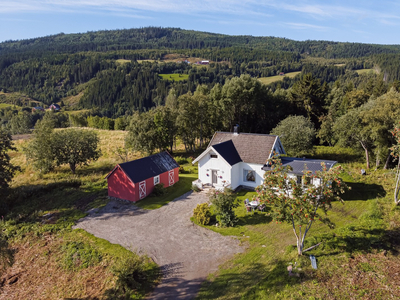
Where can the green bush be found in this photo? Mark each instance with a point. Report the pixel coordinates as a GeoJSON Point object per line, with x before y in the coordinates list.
{"type": "Point", "coordinates": [159, 190]}
{"type": "Point", "coordinates": [202, 214]}
{"type": "Point", "coordinates": [224, 204]}
{"type": "Point", "coordinates": [181, 160]}
{"type": "Point", "coordinates": [136, 275]}
{"type": "Point", "coordinates": [78, 255]}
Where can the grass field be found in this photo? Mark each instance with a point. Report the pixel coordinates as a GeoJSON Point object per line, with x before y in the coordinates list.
{"type": "Point", "coordinates": [174, 77]}
{"type": "Point", "coordinates": [42, 210]}
{"type": "Point", "coordinates": [3, 105]}
{"type": "Point", "coordinates": [363, 71]}
{"type": "Point", "coordinates": [270, 79]}
{"type": "Point", "coordinates": [123, 61]}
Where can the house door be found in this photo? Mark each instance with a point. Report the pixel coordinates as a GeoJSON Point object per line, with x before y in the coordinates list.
{"type": "Point", "coordinates": [171, 179]}
{"type": "Point", "coordinates": [213, 177]}
{"type": "Point", "coordinates": [142, 189]}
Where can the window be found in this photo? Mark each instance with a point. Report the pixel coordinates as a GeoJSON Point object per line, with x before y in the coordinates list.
{"type": "Point", "coordinates": [299, 179]}
{"type": "Point", "coordinates": [249, 175]}
{"type": "Point", "coordinates": [213, 155]}
{"type": "Point", "coordinates": [156, 179]}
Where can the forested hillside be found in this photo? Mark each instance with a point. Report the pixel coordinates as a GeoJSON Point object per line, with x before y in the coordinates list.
{"type": "Point", "coordinates": [169, 82]}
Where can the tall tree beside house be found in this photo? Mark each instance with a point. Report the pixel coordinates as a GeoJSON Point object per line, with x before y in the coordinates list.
{"type": "Point", "coordinates": [309, 94]}
{"type": "Point", "coordinates": [188, 120]}
{"type": "Point", "coordinates": [296, 134]}
{"type": "Point", "coordinates": [350, 130]}
{"type": "Point", "coordinates": [300, 203]}
{"type": "Point", "coordinates": [75, 147]}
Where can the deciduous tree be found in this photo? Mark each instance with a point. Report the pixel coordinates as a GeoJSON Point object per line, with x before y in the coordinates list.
{"type": "Point", "coordinates": [300, 204]}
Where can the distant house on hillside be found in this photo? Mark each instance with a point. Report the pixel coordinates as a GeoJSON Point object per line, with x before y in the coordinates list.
{"type": "Point", "coordinates": [55, 107]}
{"type": "Point", "coordinates": [233, 160]}
{"type": "Point", "coordinates": [136, 179]}
{"type": "Point", "coordinates": [281, 74]}
{"type": "Point", "coordinates": [37, 108]}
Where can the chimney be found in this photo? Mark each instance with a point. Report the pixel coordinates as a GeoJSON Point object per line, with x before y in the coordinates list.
{"type": "Point", "coordinates": [236, 129]}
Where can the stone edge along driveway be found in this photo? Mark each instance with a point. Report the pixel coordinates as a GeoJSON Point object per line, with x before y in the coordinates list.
{"type": "Point", "coordinates": [187, 253]}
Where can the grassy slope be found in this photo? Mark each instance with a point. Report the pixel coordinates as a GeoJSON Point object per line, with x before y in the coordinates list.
{"type": "Point", "coordinates": [270, 79]}
{"type": "Point", "coordinates": [174, 77]}
{"type": "Point", "coordinates": [353, 247]}
{"type": "Point", "coordinates": [43, 209]}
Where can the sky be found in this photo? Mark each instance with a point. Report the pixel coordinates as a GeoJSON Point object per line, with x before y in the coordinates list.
{"type": "Point", "coordinates": [365, 21]}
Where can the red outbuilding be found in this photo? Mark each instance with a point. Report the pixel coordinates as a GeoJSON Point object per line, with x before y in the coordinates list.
{"type": "Point", "coordinates": [136, 179]}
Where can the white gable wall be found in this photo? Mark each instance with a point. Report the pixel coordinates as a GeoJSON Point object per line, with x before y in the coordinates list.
{"type": "Point", "coordinates": [207, 164]}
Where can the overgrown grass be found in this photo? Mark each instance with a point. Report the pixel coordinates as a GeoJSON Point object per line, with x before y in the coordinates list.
{"type": "Point", "coordinates": [174, 77]}
{"type": "Point", "coordinates": [363, 71]}
{"type": "Point", "coordinates": [40, 214]}
{"type": "Point", "coordinates": [271, 79]}
{"type": "Point", "coordinates": [362, 231]}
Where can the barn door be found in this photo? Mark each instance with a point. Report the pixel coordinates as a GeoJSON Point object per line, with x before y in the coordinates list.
{"type": "Point", "coordinates": [142, 189]}
{"type": "Point", "coordinates": [213, 177]}
{"type": "Point", "coordinates": [171, 178]}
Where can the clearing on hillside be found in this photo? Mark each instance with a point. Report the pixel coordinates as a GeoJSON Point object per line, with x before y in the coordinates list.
{"type": "Point", "coordinates": [174, 77]}
{"type": "Point", "coordinates": [271, 79]}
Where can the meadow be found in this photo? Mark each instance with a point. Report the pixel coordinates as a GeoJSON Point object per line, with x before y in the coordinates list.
{"type": "Point", "coordinates": [270, 79]}
{"type": "Point", "coordinates": [356, 260]}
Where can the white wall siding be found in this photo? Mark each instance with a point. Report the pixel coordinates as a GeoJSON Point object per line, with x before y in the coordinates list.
{"type": "Point", "coordinates": [208, 163]}
{"type": "Point", "coordinates": [259, 174]}
{"type": "Point", "coordinates": [235, 175]}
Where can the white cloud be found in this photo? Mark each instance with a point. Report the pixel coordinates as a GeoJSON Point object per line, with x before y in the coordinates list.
{"type": "Point", "coordinates": [302, 26]}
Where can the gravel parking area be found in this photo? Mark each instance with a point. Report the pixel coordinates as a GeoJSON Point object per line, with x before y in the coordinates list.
{"type": "Point", "coordinates": [186, 252]}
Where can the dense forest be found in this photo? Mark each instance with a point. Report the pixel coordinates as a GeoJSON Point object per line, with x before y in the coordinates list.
{"type": "Point", "coordinates": [150, 81]}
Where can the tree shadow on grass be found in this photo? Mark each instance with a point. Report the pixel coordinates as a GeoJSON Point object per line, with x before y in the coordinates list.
{"type": "Point", "coordinates": [254, 218]}
{"type": "Point", "coordinates": [253, 283]}
{"type": "Point", "coordinates": [363, 191]}
{"type": "Point", "coordinates": [357, 239]}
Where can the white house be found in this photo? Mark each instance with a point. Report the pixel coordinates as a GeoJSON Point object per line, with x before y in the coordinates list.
{"type": "Point", "coordinates": [239, 159]}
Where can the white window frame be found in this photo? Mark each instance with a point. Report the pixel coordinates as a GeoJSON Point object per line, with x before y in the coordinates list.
{"type": "Point", "coordinates": [156, 179]}
{"type": "Point", "coordinates": [246, 173]}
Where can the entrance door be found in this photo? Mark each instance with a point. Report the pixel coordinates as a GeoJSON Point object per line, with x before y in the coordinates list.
{"type": "Point", "coordinates": [213, 177]}
{"type": "Point", "coordinates": [142, 189]}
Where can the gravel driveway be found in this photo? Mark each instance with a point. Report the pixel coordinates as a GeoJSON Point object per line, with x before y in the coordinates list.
{"type": "Point", "coordinates": [186, 252]}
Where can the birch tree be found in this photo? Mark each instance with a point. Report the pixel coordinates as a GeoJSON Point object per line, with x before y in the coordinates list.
{"type": "Point", "coordinates": [395, 151]}
{"type": "Point", "coordinates": [300, 204]}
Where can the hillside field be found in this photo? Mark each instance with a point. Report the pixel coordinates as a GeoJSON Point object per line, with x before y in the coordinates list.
{"type": "Point", "coordinates": [271, 79]}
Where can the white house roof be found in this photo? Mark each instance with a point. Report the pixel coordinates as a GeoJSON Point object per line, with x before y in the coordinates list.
{"type": "Point", "coordinates": [251, 147]}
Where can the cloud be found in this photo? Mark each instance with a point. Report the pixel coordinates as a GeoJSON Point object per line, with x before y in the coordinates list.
{"type": "Point", "coordinates": [302, 26]}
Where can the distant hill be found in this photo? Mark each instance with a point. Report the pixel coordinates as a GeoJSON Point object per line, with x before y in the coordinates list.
{"type": "Point", "coordinates": [57, 67]}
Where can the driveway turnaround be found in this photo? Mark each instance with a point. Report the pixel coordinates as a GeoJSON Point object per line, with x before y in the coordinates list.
{"type": "Point", "coordinates": [186, 253]}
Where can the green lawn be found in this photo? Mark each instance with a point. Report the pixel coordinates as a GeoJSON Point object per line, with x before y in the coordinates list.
{"type": "Point", "coordinates": [3, 105]}
{"type": "Point", "coordinates": [174, 77]}
{"type": "Point", "coordinates": [261, 271]}
{"type": "Point", "coordinates": [184, 185]}
{"type": "Point", "coordinates": [270, 79]}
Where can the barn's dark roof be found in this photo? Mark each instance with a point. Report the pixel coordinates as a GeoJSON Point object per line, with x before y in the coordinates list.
{"type": "Point", "coordinates": [228, 151]}
{"type": "Point", "coordinates": [300, 164]}
{"type": "Point", "coordinates": [150, 166]}
{"type": "Point", "coordinates": [252, 147]}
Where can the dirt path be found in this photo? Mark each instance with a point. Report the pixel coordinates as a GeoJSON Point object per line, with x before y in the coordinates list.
{"type": "Point", "coordinates": [186, 252]}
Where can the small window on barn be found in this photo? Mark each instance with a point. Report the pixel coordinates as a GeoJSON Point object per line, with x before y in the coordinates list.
{"type": "Point", "coordinates": [213, 155]}
{"type": "Point", "coordinates": [156, 179]}
{"type": "Point", "coordinates": [249, 175]}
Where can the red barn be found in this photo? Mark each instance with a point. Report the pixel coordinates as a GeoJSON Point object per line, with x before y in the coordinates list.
{"type": "Point", "coordinates": [136, 179]}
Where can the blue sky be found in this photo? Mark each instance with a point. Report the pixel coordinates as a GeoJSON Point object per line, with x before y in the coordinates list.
{"type": "Point", "coordinates": [347, 21]}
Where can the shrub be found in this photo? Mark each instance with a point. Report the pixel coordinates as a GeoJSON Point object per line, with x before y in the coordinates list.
{"type": "Point", "coordinates": [136, 275]}
{"type": "Point", "coordinates": [78, 255]}
{"type": "Point", "coordinates": [159, 190]}
{"type": "Point", "coordinates": [202, 214]}
{"type": "Point", "coordinates": [181, 160]}
{"type": "Point", "coordinates": [224, 203]}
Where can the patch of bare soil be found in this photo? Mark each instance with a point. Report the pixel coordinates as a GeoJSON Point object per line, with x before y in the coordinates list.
{"type": "Point", "coordinates": [38, 274]}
